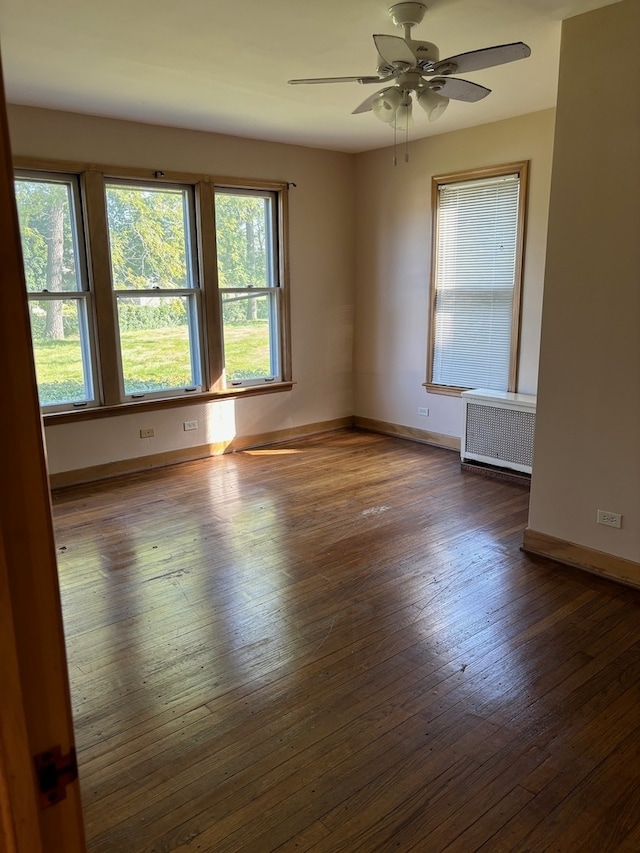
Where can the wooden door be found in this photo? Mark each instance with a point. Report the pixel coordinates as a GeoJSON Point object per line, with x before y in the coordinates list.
{"type": "Point", "coordinates": [35, 708]}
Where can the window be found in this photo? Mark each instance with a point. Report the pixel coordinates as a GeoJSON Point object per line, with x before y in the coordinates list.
{"type": "Point", "coordinates": [248, 278]}
{"type": "Point", "coordinates": [475, 283]}
{"type": "Point", "coordinates": [180, 291]}
{"type": "Point", "coordinates": [57, 287]}
{"type": "Point", "coordinates": [154, 281]}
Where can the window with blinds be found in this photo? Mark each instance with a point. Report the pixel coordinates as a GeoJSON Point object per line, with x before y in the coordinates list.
{"type": "Point", "coordinates": [475, 287]}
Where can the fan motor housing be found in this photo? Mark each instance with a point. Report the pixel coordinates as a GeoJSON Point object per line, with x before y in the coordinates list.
{"type": "Point", "coordinates": [426, 51]}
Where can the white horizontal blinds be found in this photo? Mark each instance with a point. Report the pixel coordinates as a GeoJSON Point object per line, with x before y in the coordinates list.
{"type": "Point", "coordinates": [475, 278]}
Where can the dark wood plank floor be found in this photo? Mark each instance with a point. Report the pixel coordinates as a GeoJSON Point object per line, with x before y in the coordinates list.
{"type": "Point", "coordinates": [337, 645]}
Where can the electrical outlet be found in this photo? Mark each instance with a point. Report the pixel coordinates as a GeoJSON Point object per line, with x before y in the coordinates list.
{"type": "Point", "coordinates": [147, 433]}
{"type": "Point", "coordinates": [422, 411]}
{"type": "Point", "coordinates": [612, 519]}
{"type": "Point", "coordinates": [189, 425]}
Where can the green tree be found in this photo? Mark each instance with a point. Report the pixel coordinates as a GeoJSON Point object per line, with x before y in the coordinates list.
{"type": "Point", "coordinates": [147, 238]}
{"type": "Point", "coordinates": [241, 245]}
{"type": "Point", "coordinates": [44, 210]}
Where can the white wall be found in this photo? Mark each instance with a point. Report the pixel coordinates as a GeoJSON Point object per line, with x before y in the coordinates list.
{"type": "Point", "coordinates": [394, 250]}
{"type": "Point", "coordinates": [587, 448]}
{"type": "Point", "coordinates": [345, 210]}
{"type": "Point", "coordinates": [322, 278]}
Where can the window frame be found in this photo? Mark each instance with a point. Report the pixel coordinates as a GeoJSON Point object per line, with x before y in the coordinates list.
{"type": "Point", "coordinates": [274, 289]}
{"type": "Point", "coordinates": [521, 169]}
{"type": "Point", "coordinates": [82, 295]}
{"type": "Point", "coordinates": [107, 371]}
{"type": "Point", "coordinates": [193, 292]}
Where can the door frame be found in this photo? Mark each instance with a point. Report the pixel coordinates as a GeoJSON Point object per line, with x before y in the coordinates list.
{"type": "Point", "coordinates": [35, 703]}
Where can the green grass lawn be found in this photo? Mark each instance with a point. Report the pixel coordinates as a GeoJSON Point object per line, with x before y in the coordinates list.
{"type": "Point", "coordinates": [153, 360]}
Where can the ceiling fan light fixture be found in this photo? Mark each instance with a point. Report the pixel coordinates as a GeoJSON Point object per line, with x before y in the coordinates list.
{"type": "Point", "coordinates": [432, 103]}
{"type": "Point", "coordinates": [385, 105]}
{"type": "Point", "coordinates": [403, 118]}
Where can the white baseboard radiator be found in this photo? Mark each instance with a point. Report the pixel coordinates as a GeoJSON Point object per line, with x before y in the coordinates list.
{"type": "Point", "coordinates": [498, 428]}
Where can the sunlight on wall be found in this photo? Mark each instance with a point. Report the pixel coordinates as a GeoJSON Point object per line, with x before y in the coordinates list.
{"type": "Point", "coordinates": [220, 423]}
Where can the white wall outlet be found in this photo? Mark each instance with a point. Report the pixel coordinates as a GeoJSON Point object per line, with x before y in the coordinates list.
{"type": "Point", "coordinates": [147, 433]}
{"type": "Point", "coordinates": [189, 425]}
{"type": "Point", "coordinates": [423, 412]}
{"type": "Point", "coordinates": [613, 519]}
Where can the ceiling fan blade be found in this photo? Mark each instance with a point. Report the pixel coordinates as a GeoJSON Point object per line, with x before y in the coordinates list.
{"type": "Point", "coordinates": [394, 49]}
{"type": "Point", "coordinates": [367, 104]}
{"type": "Point", "coordinates": [363, 79]}
{"type": "Point", "coordinates": [475, 60]}
{"type": "Point", "coordinates": [458, 90]}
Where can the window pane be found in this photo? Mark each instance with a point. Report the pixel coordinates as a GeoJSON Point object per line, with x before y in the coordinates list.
{"type": "Point", "coordinates": [149, 237]}
{"type": "Point", "coordinates": [58, 330]}
{"type": "Point", "coordinates": [158, 335]}
{"type": "Point", "coordinates": [249, 336]}
{"type": "Point", "coordinates": [475, 279]}
{"type": "Point", "coordinates": [473, 341]}
{"type": "Point", "coordinates": [47, 229]}
{"type": "Point", "coordinates": [244, 240]}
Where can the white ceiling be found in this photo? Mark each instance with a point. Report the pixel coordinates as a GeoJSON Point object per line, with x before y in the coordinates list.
{"type": "Point", "coordinates": [222, 65]}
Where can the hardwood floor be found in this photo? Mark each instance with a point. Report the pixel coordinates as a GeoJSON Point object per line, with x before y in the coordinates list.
{"type": "Point", "coordinates": [336, 645]}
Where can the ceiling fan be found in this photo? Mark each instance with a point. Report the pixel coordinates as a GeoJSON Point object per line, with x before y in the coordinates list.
{"type": "Point", "coordinates": [415, 68]}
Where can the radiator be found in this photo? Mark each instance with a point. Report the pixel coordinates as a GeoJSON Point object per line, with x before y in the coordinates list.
{"type": "Point", "coordinates": [498, 428]}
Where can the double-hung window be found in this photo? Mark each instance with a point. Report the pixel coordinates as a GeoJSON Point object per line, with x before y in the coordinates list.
{"type": "Point", "coordinates": [156, 289]}
{"type": "Point", "coordinates": [49, 212]}
{"type": "Point", "coordinates": [249, 284]}
{"type": "Point", "coordinates": [476, 279]}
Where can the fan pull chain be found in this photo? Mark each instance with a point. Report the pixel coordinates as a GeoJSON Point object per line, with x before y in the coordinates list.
{"type": "Point", "coordinates": [395, 143]}
{"type": "Point", "coordinates": [406, 143]}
